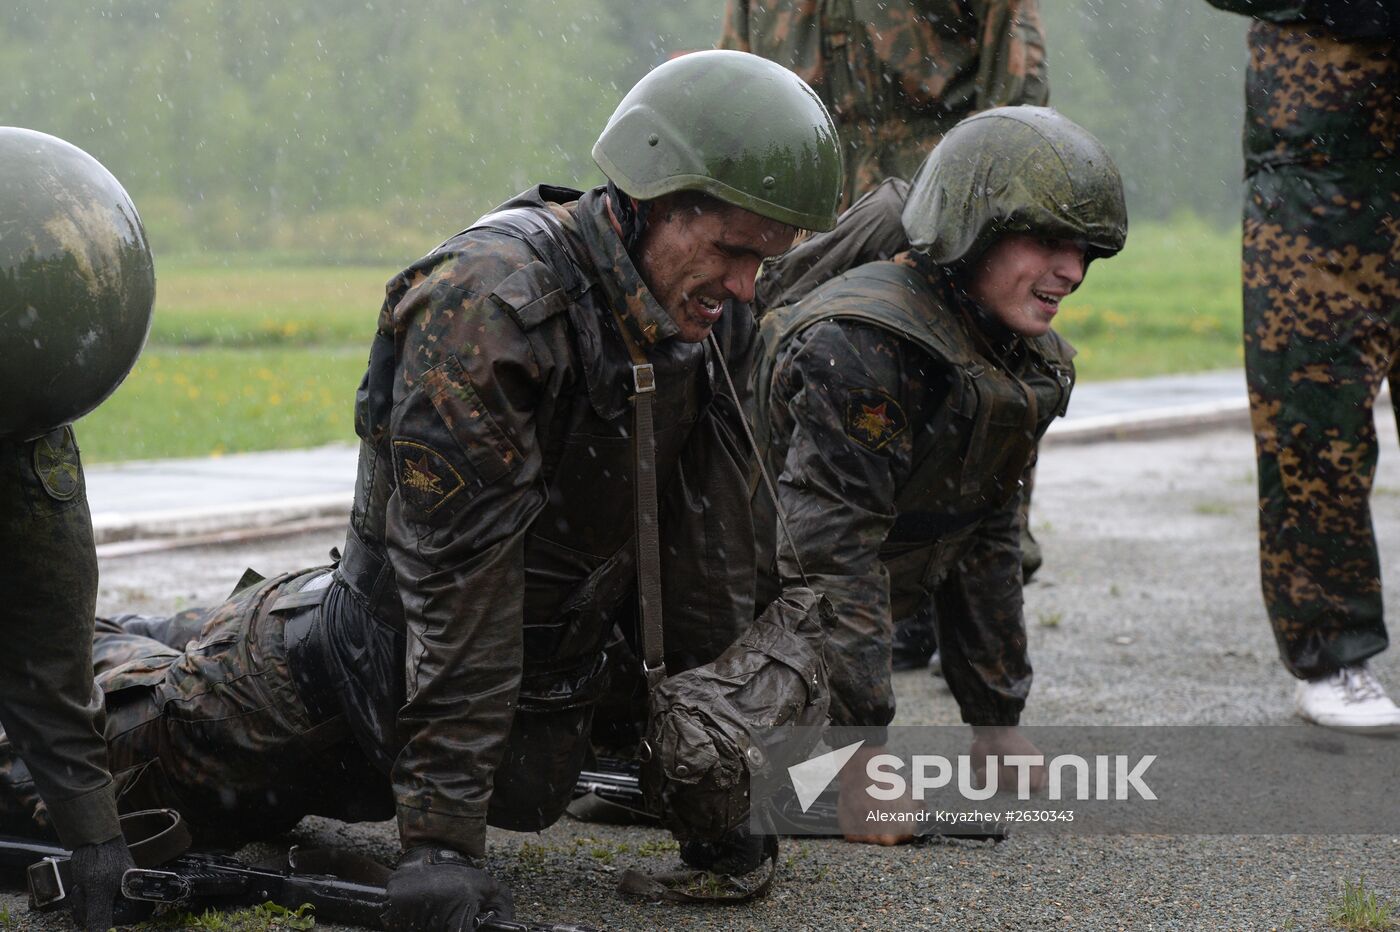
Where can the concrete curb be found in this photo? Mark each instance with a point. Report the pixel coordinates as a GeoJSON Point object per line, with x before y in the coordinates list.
{"type": "Point", "coordinates": [1147, 425]}
{"type": "Point", "coordinates": [269, 515]}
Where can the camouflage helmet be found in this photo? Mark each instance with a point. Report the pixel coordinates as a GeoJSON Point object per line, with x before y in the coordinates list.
{"type": "Point", "coordinates": [711, 728]}
{"type": "Point", "coordinates": [76, 283]}
{"type": "Point", "coordinates": [1015, 170]}
{"type": "Point", "coordinates": [734, 126]}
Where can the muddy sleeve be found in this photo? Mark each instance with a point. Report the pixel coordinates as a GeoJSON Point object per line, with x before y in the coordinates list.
{"type": "Point", "coordinates": [838, 403]}
{"type": "Point", "coordinates": [463, 438]}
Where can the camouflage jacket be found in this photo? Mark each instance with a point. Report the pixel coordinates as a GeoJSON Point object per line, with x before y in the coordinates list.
{"type": "Point", "coordinates": [889, 70]}
{"type": "Point", "coordinates": [1313, 98]}
{"type": "Point", "coordinates": [494, 514]}
{"type": "Point", "coordinates": [901, 421]}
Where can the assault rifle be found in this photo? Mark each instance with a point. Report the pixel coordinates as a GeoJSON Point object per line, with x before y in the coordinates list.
{"type": "Point", "coordinates": [196, 881]}
{"type": "Point", "coordinates": [619, 782]}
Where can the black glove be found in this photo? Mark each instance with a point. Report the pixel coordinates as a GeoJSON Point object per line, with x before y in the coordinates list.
{"type": "Point", "coordinates": [437, 889]}
{"type": "Point", "coordinates": [737, 853]}
{"type": "Point", "coordinates": [96, 872]}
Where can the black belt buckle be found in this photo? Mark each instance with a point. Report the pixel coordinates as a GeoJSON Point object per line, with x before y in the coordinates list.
{"type": "Point", "coordinates": [46, 887]}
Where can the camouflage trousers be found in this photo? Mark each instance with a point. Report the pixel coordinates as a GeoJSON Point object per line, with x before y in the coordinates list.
{"type": "Point", "coordinates": [1321, 334]}
{"type": "Point", "coordinates": [211, 712]}
{"type": "Point", "coordinates": [203, 716]}
{"type": "Point", "coordinates": [893, 148]}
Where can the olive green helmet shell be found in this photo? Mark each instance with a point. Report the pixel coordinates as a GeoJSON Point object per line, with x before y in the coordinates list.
{"type": "Point", "coordinates": [1015, 170]}
{"type": "Point", "coordinates": [76, 283]}
{"type": "Point", "coordinates": [732, 125]}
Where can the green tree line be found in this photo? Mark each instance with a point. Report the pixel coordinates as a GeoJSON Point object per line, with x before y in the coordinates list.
{"type": "Point", "coordinates": [364, 130]}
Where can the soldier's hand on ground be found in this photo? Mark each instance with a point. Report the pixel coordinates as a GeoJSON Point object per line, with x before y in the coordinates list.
{"type": "Point", "coordinates": [436, 889]}
{"type": "Point", "coordinates": [1003, 742]}
{"type": "Point", "coordinates": [97, 879]}
{"type": "Point", "coordinates": [858, 813]}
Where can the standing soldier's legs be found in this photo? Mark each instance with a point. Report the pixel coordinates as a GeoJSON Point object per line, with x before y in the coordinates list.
{"type": "Point", "coordinates": [1321, 309]}
{"type": "Point", "coordinates": [51, 711]}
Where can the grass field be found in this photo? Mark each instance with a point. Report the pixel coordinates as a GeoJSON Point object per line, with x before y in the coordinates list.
{"type": "Point", "coordinates": [257, 355]}
{"type": "Point", "coordinates": [1170, 302]}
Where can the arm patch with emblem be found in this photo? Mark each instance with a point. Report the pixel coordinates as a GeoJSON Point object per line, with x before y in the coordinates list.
{"type": "Point", "coordinates": [426, 479]}
{"type": "Point", "coordinates": [873, 418]}
{"type": "Point", "coordinates": [449, 449]}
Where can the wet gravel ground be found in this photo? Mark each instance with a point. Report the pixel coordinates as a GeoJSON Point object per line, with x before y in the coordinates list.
{"type": "Point", "coordinates": [1147, 612]}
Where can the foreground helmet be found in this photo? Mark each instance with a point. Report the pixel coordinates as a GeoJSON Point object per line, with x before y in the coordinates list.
{"type": "Point", "coordinates": [76, 283]}
{"type": "Point", "coordinates": [1015, 170]}
{"type": "Point", "coordinates": [732, 125]}
{"type": "Point", "coordinates": [713, 727]}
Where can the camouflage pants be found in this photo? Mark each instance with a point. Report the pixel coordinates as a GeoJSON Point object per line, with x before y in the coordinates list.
{"type": "Point", "coordinates": [1321, 310]}
{"type": "Point", "coordinates": [203, 717]}
{"type": "Point", "coordinates": [894, 148]}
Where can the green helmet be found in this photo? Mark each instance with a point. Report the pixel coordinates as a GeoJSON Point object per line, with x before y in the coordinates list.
{"type": "Point", "coordinates": [732, 125]}
{"type": "Point", "coordinates": [1015, 170]}
{"type": "Point", "coordinates": [76, 283]}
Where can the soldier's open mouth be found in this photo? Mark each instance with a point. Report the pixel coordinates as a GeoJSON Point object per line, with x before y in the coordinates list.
{"type": "Point", "coordinates": [710, 309]}
{"type": "Point", "coordinates": [1051, 299]}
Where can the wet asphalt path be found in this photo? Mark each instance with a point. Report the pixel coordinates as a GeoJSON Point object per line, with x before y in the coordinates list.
{"type": "Point", "coordinates": [1147, 612]}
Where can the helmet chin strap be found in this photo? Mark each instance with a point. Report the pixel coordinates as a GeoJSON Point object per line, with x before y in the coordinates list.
{"type": "Point", "coordinates": [631, 215]}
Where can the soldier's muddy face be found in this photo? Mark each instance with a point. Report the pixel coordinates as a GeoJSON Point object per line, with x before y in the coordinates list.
{"type": "Point", "coordinates": [1020, 280]}
{"type": "Point", "coordinates": [694, 261]}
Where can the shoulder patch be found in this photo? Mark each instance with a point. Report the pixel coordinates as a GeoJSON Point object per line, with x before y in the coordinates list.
{"type": "Point", "coordinates": [56, 464]}
{"type": "Point", "coordinates": [426, 479]}
{"type": "Point", "coordinates": [873, 418]}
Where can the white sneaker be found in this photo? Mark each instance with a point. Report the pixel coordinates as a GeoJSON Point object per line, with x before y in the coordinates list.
{"type": "Point", "coordinates": [1349, 700]}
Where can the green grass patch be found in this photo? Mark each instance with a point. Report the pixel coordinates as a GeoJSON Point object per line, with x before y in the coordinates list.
{"type": "Point", "coordinates": [252, 304]}
{"type": "Point", "coordinates": [1359, 911]}
{"type": "Point", "coordinates": [207, 402]}
{"type": "Point", "coordinates": [269, 917]}
{"type": "Point", "coordinates": [1168, 303]}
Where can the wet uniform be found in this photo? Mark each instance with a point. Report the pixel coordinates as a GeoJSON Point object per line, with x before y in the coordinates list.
{"type": "Point", "coordinates": [446, 671]}
{"type": "Point", "coordinates": [1321, 322]}
{"type": "Point", "coordinates": [901, 420]}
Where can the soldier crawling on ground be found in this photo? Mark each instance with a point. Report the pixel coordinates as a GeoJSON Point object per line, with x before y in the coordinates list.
{"type": "Point", "coordinates": [447, 669]}
{"type": "Point", "coordinates": [903, 401]}
{"type": "Point", "coordinates": [896, 77]}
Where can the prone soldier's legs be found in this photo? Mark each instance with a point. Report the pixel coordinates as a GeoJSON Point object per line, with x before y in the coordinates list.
{"type": "Point", "coordinates": [173, 630]}
{"type": "Point", "coordinates": [214, 728]}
